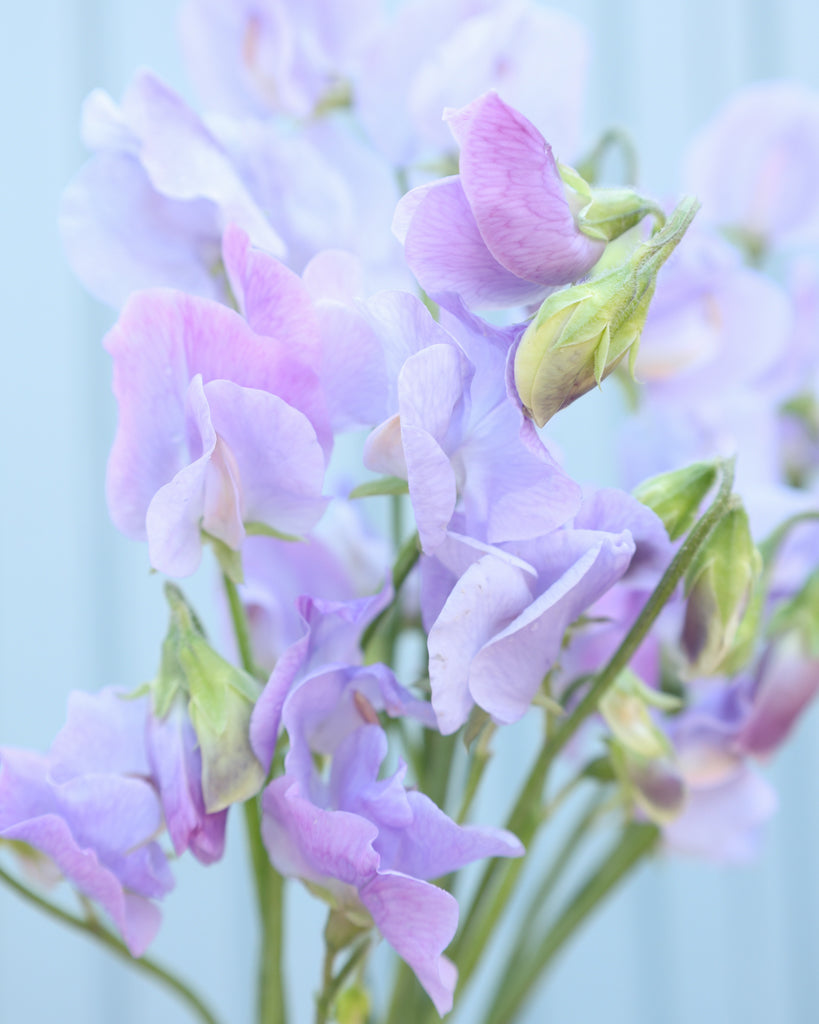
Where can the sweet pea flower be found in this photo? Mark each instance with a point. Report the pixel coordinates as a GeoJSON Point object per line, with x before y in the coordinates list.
{"type": "Point", "coordinates": [211, 435]}
{"type": "Point", "coordinates": [91, 807]}
{"type": "Point", "coordinates": [459, 441]}
{"type": "Point", "coordinates": [501, 232]}
{"type": "Point", "coordinates": [497, 616]}
{"type": "Point", "coordinates": [430, 56]}
{"type": "Point", "coordinates": [368, 844]}
{"type": "Point", "coordinates": [152, 204]}
{"type": "Point", "coordinates": [252, 57]}
{"type": "Point", "coordinates": [726, 799]}
{"type": "Point", "coordinates": [755, 166]}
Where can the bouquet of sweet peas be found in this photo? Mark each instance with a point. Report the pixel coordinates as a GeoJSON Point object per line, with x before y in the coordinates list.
{"type": "Point", "coordinates": [285, 367]}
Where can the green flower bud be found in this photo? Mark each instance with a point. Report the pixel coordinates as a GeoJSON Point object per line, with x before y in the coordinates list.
{"type": "Point", "coordinates": [353, 1005]}
{"type": "Point", "coordinates": [676, 497]}
{"type": "Point", "coordinates": [719, 584]}
{"type": "Point", "coordinates": [626, 709]}
{"type": "Point", "coordinates": [606, 213]}
{"type": "Point", "coordinates": [581, 333]}
{"type": "Point", "coordinates": [220, 699]}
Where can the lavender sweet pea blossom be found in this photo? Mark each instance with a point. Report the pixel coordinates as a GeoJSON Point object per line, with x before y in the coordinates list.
{"type": "Point", "coordinates": [90, 806]}
{"type": "Point", "coordinates": [251, 57]}
{"type": "Point", "coordinates": [207, 437]}
{"type": "Point", "coordinates": [430, 56]}
{"type": "Point", "coordinates": [727, 801]}
{"type": "Point", "coordinates": [368, 843]}
{"type": "Point", "coordinates": [755, 166]}
{"type": "Point", "coordinates": [151, 205]}
{"type": "Point", "coordinates": [458, 440]}
{"type": "Point", "coordinates": [501, 232]}
{"type": "Point", "coordinates": [497, 616]}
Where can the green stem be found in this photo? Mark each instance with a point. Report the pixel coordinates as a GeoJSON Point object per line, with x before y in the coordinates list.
{"type": "Point", "coordinates": [324, 1001]}
{"type": "Point", "coordinates": [540, 899]}
{"type": "Point", "coordinates": [499, 876]}
{"type": "Point", "coordinates": [271, 1005]}
{"type": "Point", "coordinates": [769, 548]}
{"type": "Point", "coordinates": [404, 564]}
{"type": "Point", "coordinates": [635, 842]}
{"type": "Point", "coordinates": [97, 931]}
{"type": "Point", "coordinates": [241, 628]}
{"type": "Point", "coordinates": [480, 759]}
{"type": "Point", "coordinates": [332, 985]}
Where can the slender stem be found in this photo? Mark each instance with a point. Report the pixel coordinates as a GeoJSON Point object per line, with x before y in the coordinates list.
{"type": "Point", "coordinates": [97, 931]}
{"type": "Point", "coordinates": [271, 1006]}
{"type": "Point", "coordinates": [499, 877]}
{"type": "Point", "coordinates": [241, 627]}
{"type": "Point", "coordinates": [540, 899]}
{"type": "Point", "coordinates": [480, 759]}
{"type": "Point", "coordinates": [635, 842]}
{"type": "Point", "coordinates": [404, 564]}
{"type": "Point", "coordinates": [324, 1000]}
{"type": "Point", "coordinates": [332, 985]}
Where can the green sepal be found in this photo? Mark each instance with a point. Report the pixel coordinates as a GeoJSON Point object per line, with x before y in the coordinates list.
{"type": "Point", "coordinates": [601, 770]}
{"type": "Point", "coordinates": [625, 708]}
{"type": "Point", "coordinates": [263, 530]}
{"type": "Point", "coordinates": [606, 213]}
{"type": "Point", "coordinates": [479, 728]}
{"type": "Point", "coordinates": [653, 784]}
{"type": "Point", "coordinates": [383, 485]}
{"type": "Point", "coordinates": [676, 496]}
{"type": "Point", "coordinates": [342, 931]}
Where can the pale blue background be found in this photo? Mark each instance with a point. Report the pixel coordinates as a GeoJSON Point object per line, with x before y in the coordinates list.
{"type": "Point", "coordinates": [687, 942]}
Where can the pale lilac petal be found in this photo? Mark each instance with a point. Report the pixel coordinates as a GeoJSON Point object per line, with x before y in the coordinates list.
{"type": "Point", "coordinates": [447, 253]}
{"type": "Point", "coordinates": [174, 514]}
{"type": "Point", "coordinates": [508, 671]}
{"type": "Point", "coordinates": [103, 732]}
{"type": "Point", "coordinates": [272, 299]}
{"type": "Point", "coordinates": [755, 164]}
{"type": "Point", "coordinates": [265, 718]}
{"type": "Point", "coordinates": [419, 921]}
{"type": "Point", "coordinates": [497, 49]}
{"type": "Point", "coordinates": [310, 842]}
{"type": "Point", "coordinates": [516, 195]}
{"type": "Point", "coordinates": [436, 845]}
{"type": "Point", "coordinates": [489, 595]}
{"type": "Point", "coordinates": [517, 492]}
{"type": "Point", "coordinates": [278, 457]}
{"type": "Point", "coordinates": [166, 128]}
{"type": "Point", "coordinates": [35, 811]}
{"type": "Point", "coordinates": [176, 765]}
{"type": "Point", "coordinates": [724, 822]}
{"type": "Point", "coordinates": [161, 241]}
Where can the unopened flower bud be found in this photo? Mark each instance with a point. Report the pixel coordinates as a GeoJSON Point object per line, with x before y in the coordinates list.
{"type": "Point", "coordinates": [626, 709]}
{"type": "Point", "coordinates": [719, 584]}
{"type": "Point", "coordinates": [606, 213]}
{"type": "Point", "coordinates": [220, 699]}
{"type": "Point", "coordinates": [581, 333]}
{"type": "Point", "coordinates": [676, 496]}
